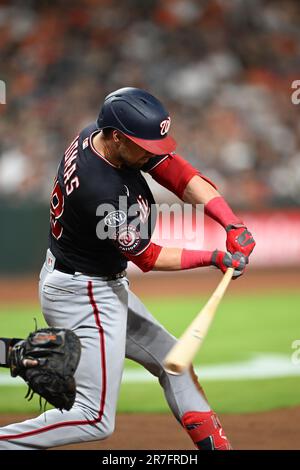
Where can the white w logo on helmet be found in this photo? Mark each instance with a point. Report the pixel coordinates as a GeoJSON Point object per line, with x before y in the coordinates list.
{"type": "Point", "coordinates": [165, 126]}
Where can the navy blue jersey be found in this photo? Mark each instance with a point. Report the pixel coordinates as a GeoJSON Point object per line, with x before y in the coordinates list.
{"type": "Point", "coordinates": [99, 212]}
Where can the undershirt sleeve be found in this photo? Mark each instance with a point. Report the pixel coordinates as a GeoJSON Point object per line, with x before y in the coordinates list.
{"type": "Point", "coordinates": [174, 173]}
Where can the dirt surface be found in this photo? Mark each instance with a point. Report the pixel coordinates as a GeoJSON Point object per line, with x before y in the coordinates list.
{"type": "Point", "coordinates": [20, 290]}
{"type": "Point", "coordinates": [279, 429]}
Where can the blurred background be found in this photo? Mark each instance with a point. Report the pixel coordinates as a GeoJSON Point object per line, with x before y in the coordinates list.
{"type": "Point", "coordinates": [224, 69]}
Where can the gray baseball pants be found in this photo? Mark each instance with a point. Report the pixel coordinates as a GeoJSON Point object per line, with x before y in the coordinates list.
{"type": "Point", "coordinates": [111, 323]}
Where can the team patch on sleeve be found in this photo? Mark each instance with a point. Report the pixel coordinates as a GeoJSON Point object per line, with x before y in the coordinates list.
{"type": "Point", "coordinates": [128, 239]}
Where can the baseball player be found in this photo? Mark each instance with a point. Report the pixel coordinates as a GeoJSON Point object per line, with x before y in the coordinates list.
{"type": "Point", "coordinates": [101, 218]}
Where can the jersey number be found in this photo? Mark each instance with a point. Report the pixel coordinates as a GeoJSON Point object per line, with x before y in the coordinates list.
{"type": "Point", "coordinates": [56, 210]}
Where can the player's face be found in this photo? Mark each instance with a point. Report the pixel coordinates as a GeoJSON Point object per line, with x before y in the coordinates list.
{"type": "Point", "coordinates": [131, 154]}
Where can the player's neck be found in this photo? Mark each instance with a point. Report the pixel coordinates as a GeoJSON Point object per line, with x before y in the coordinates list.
{"type": "Point", "coordinates": [105, 149]}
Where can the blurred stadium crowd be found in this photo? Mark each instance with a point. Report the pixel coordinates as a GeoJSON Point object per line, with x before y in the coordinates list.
{"type": "Point", "coordinates": [224, 68]}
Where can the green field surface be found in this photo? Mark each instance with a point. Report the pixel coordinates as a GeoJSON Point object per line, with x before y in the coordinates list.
{"type": "Point", "coordinates": [244, 326]}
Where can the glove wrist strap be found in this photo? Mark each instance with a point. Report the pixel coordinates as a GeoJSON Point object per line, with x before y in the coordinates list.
{"type": "Point", "coordinates": [231, 226]}
{"type": "Point", "coordinates": [214, 258]}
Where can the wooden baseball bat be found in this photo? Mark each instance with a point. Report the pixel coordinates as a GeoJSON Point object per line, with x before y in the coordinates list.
{"type": "Point", "coordinates": [183, 352]}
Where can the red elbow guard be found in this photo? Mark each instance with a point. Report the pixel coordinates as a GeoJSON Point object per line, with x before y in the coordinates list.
{"type": "Point", "coordinates": [174, 173]}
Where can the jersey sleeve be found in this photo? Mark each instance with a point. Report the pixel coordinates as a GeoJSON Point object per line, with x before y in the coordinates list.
{"type": "Point", "coordinates": [173, 172]}
{"type": "Point", "coordinates": [147, 258]}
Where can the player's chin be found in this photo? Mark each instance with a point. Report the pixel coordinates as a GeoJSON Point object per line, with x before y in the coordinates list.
{"type": "Point", "coordinates": [140, 163]}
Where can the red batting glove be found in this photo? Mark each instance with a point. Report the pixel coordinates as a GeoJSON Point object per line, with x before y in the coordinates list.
{"type": "Point", "coordinates": [226, 260]}
{"type": "Point", "coordinates": [239, 239]}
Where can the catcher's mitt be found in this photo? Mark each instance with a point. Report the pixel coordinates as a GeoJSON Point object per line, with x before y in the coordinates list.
{"type": "Point", "coordinates": [47, 361]}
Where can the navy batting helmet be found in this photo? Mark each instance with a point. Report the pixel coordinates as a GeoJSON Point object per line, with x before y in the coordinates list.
{"type": "Point", "coordinates": [141, 117]}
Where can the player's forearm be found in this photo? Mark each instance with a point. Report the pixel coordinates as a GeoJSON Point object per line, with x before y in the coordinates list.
{"type": "Point", "coordinates": [158, 258]}
{"type": "Point", "coordinates": [175, 259]}
{"type": "Point", "coordinates": [239, 239]}
{"type": "Point", "coordinates": [199, 191]}
{"type": "Point", "coordinates": [169, 259]}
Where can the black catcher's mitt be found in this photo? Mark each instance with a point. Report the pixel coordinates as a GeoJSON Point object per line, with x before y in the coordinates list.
{"type": "Point", "coordinates": [47, 361]}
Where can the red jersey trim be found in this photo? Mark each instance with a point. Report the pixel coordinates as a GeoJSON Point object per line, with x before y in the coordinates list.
{"type": "Point", "coordinates": [104, 382]}
{"type": "Point", "coordinates": [160, 161]}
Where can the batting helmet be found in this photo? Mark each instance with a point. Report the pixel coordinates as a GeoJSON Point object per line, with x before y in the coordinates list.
{"type": "Point", "coordinates": [141, 117]}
